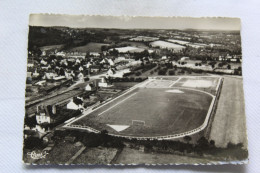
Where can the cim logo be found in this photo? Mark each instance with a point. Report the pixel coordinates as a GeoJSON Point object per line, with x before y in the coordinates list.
{"type": "Point", "coordinates": [37, 155]}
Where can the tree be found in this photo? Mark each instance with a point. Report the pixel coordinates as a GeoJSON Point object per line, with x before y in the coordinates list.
{"type": "Point", "coordinates": [171, 72]}
{"type": "Point", "coordinates": [187, 139]}
{"type": "Point", "coordinates": [61, 72]}
{"type": "Point", "coordinates": [30, 121]}
{"type": "Point", "coordinates": [212, 143]}
{"type": "Point", "coordinates": [138, 73]}
{"type": "Point", "coordinates": [228, 66]}
{"type": "Point", "coordinates": [203, 143]}
{"type": "Point", "coordinates": [32, 142]}
{"type": "Point", "coordinates": [77, 101]}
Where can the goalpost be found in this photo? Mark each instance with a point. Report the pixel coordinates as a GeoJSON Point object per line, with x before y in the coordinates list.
{"type": "Point", "coordinates": [138, 122]}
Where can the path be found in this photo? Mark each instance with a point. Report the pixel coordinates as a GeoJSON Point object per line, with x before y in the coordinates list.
{"type": "Point", "coordinates": [75, 156]}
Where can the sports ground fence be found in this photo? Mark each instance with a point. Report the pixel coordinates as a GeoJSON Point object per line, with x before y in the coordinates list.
{"type": "Point", "coordinates": [212, 111]}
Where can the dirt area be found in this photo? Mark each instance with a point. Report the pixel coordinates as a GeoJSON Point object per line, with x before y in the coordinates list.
{"type": "Point", "coordinates": [99, 155]}
{"type": "Point", "coordinates": [133, 156]}
{"type": "Point", "coordinates": [229, 124]}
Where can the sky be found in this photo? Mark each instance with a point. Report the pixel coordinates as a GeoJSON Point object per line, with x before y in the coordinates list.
{"type": "Point", "coordinates": [126, 22]}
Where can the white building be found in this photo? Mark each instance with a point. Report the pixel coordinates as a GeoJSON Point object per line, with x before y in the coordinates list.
{"type": "Point", "coordinates": [103, 83]}
{"type": "Point", "coordinates": [74, 106]}
{"type": "Point", "coordinates": [81, 77]}
{"type": "Point", "coordinates": [43, 115]}
{"type": "Point", "coordinates": [62, 54]}
{"type": "Point", "coordinates": [88, 87]}
{"type": "Point", "coordinates": [185, 58]}
{"type": "Point", "coordinates": [43, 62]}
{"type": "Point", "coordinates": [40, 83]}
{"type": "Point", "coordinates": [80, 68]}
{"type": "Point", "coordinates": [49, 75]}
{"type": "Point", "coordinates": [111, 62]}
{"type": "Point", "coordinates": [30, 65]}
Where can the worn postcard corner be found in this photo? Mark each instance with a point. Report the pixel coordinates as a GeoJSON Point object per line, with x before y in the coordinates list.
{"type": "Point", "coordinates": [134, 91]}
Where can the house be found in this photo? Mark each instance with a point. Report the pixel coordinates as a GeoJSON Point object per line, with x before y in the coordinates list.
{"type": "Point", "coordinates": [164, 57]}
{"type": "Point", "coordinates": [45, 114]}
{"type": "Point", "coordinates": [81, 76]}
{"type": "Point", "coordinates": [43, 62]}
{"type": "Point", "coordinates": [30, 65]}
{"type": "Point", "coordinates": [40, 83]}
{"type": "Point", "coordinates": [104, 61]}
{"type": "Point", "coordinates": [103, 82]}
{"type": "Point", "coordinates": [88, 64]}
{"type": "Point", "coordinates": [35, 73]}
{"type": "Point", "coordinates": [111, 72]}
{"type": "Point", "coordinates": [44, 53]}
{"type": "Point", "coordinates": [89, 87]}
{"type": "Point", "coordinates": [119, 59]}
{"type": "Point", "coordinates": [80, 68]}
{"type": "Point", "coordinates": [62, 54]}
{"type": "Point", "coordinates": [111, 62]}
{"type": "Point", "coordinates": [49, 76]}
{"type": "Point", "coordinates": [58, 78]}
{"type": "Point", "coordinates": [69, 74]}
{"type": "Point", "coordinates": [78, 61]}
{"type": "Point", "coordinates": [29, 74]}
{"type": "Point", "coordinates": [185, 58]}
{"type": "Point", "coordinates": [76, 104]}
{"type": "Point", "coordinates": [94, 54]}
{"type": "Point", "coordinates": [95, 68]}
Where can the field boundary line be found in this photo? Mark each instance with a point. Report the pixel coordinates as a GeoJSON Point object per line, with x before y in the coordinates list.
{"type": "Point", "coordinates": [117, 104]}
{"type": "Point", "coordinates": [174, 136]}
{"type": "Point", "coordinates": [126, 92]}
{"type": "Point", "coordinates": [174, 82]}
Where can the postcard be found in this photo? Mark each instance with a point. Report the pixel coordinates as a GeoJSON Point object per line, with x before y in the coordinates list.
{"type": "Point", "coordinates": [134, 90]}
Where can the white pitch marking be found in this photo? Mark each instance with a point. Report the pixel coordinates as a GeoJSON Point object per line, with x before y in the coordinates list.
{"type": "Point", "coordinates": [174, 82]}
{"type": "Point", "coordinates": [118, 128]}
{"type": "Point", "coordinates": [117, 104]}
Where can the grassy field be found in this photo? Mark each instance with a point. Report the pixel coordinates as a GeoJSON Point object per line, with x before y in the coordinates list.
{"type": "Point", "coordinates": [134, 156]}
{"type": "Point", "coordinates": [99, 155]}
{"type": "Point", "coordinates": [52, 47]}
{"type": "Point", "coordinates": [164, 112]}
{"type": "Point", "coordinates": [90, 47]}
{"type": "Point", "coordinates": [61, 153]}
{"type": "Point", "coordinates": [134, 44]}
{"type": "Point", "coordinates": [229, 124]}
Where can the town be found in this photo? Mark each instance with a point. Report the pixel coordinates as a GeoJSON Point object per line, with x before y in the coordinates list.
{"type": "Point", "coordinates": [73, 71]}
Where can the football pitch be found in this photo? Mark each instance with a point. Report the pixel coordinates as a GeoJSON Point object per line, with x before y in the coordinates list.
{"type": "Point", "coordinates": [158, 108]}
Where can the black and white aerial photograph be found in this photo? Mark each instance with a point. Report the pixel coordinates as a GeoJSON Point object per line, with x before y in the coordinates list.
{"type": "Point", "coordinates": [107, 90]}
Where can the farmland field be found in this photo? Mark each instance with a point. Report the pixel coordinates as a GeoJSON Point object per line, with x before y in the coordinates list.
{"type": "Point", "coordinates": [229, 124]}
{"type": "Point", "coordinates": [153, 110]}
{"type": "Point", "coordinates": [90, 47]}
{"type": "Point", "coordinates": [52, 47]}
{"type": "Point", "coordinates": [164, 44]}
{"type": "Point", "coordinates": [178, 41]}
{"type": "Point", "coordinates": [128, 49]}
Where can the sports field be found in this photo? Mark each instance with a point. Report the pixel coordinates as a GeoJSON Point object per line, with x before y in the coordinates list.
{"type": "Point", "coordinates": [150, 111]}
